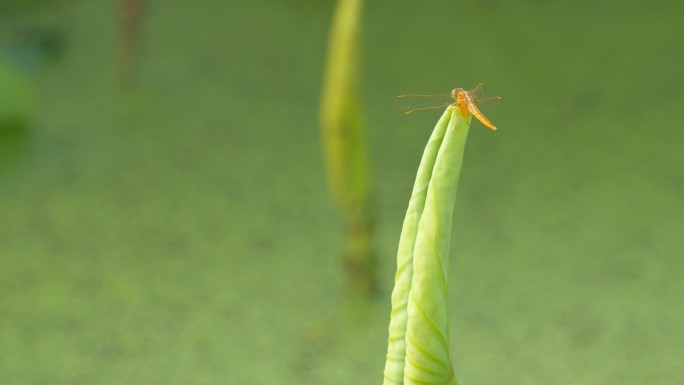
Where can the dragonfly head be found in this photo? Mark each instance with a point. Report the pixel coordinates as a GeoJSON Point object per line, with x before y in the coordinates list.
{"type": "Point", "coordinates": [455, 92]}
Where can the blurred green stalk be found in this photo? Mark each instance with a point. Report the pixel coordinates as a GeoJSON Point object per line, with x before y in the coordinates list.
{"type": "Point", "coordinates": [129, 39]}
{"type": "Point", "coordinates": [16, 100]}
{"type": "Point", "coordinates": [418, 343]}
{"type": "Point", "coordinates": [344, 144]}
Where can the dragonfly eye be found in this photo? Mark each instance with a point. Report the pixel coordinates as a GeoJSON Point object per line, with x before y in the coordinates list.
{"type": "Point", "coordinates": [454, 93]}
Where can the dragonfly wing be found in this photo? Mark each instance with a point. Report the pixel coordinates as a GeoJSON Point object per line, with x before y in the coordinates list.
{"type": "Point", "coordinates": [488, 104]}
{"type": "Point", "coordinates": [441, 107]}
{"type": "Point", "coordinates": [479, 92]}
{"type": "Point", "coordinates": [410, 103]}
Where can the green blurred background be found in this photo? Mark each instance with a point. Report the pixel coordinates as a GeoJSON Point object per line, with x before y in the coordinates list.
{"type": "Point", "coordinates": [176, 229]}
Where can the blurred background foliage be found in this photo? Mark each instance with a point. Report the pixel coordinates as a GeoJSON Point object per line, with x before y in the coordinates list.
{"type": "Point", "coordinates": [178, 230]}
{"type": "Point", "coordinates": [344, 145]}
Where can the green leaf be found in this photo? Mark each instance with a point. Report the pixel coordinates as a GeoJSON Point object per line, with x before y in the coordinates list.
{"type": "Point", "coordinates": [342, 130]}
{"type": "Point", "coordinates": [418, 348]}
{"type": "Point", "coordinates": [344, 145]}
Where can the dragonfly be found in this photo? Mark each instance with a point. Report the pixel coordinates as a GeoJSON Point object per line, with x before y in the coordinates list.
{"type": "Point", "coordinates": [468, 103]}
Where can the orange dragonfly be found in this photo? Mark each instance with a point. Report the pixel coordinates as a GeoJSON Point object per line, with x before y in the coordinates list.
{"type": "Point", "coordinates": [468, 103]}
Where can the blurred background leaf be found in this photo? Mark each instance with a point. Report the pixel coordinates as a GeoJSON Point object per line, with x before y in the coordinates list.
{"type": "Point", "coordinates": [345, 147]}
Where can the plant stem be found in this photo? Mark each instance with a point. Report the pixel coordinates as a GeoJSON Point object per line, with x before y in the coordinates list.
{"type": "Point", "coordinates": [344, 145]}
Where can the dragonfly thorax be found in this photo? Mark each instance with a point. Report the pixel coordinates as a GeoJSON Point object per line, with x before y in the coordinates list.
{"type": "Point", "coordinates": [462, 97]}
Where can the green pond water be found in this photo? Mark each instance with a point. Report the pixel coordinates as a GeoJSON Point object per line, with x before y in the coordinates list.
{"type": "Point", "coordinates": [177, 230]}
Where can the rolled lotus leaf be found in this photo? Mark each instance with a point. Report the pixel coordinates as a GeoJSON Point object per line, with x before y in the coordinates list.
{"type": "Point", "coordinates": [418, 344]}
